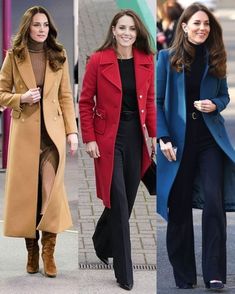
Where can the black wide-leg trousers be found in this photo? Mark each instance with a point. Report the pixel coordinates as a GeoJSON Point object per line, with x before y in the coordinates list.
{"type": "Point", "coordinates": [112, 234]}
{"type": "Point", "coordinates": [201, 152]}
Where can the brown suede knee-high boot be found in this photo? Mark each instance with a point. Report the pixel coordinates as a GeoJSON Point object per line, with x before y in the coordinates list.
{"type": "Point", "coordinates": [48, 246]}
{"type": "Point", "coordinates": [32, 266]}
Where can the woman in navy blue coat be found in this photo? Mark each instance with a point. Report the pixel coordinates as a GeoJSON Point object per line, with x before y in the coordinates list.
{"type": "Point", "coordinates": [200, 171]}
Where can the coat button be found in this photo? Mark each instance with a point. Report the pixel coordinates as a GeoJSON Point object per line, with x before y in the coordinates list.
{"type": "Point", "coordinates": [22, 119]}
{"type": "Point", "coordinates": [144, 125]}
{"type": "Point", "coordinates": [21, 86]}
{"type": "Point", "coordinates": [142, 110]}
{"type": "Point", "coordinates": [141, 96]}
{"type": "Point", "coordinates": [55, 118]}
{"type": "Point", "coordinates": [53, 100]}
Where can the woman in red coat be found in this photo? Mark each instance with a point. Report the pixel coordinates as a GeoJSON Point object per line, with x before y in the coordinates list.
{"type": "Point", "coordinates": [117, 111]}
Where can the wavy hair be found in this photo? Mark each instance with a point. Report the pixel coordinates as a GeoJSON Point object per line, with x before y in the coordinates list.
{"type": "Point", "coordinates": [54, 50]}
{"type": "Point", "coordinates": [143, 38]}
{"type": "Point", "coordinates": [182, 52]}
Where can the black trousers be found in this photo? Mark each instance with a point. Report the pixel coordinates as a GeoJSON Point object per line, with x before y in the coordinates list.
{"type": "Point", "coordinates": [112, 234]}
{"type": "Point", "coordinates": [201, 151]}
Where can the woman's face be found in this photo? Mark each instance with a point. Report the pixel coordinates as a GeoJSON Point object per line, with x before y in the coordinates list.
{"type": "Point", "coordinates": [197, 27]}
{"type": "Point", "coordinates": [39, 28]}
{"type": "Point", "coordinates": [125, 32]}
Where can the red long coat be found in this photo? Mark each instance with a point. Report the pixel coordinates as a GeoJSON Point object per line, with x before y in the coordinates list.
{"type": "Point", "coordinates": [100, 106]}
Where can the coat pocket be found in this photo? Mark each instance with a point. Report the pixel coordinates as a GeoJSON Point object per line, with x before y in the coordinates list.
{"type": "Point", "coordinates": [15, 114]}
{"type": "Point", "coordinates": [221, 119]}
{"type": "Point", "coordinates": [218, 119]}
{"type": "Point", "coordinates": [99, 120]}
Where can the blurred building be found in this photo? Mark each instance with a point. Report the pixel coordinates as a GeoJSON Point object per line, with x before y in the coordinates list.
{"type": "Point", "coordinates": [211, 4]}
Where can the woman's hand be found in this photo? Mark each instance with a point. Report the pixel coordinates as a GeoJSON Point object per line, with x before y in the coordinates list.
{"type": "Point", "coordinates": [153, 145]}
{"type": "Point", "coordinates": [2, 108]}
{"type": "Point", "coordinates": [31, 96]}
{"type": "Point", "coordinates": [73, 143]}
{"type": "Point", "coordinates": [205, 105]}
{"type": "Point", "coordinates": [168, 150]}
{"type": "Point", "coordinates": [92, 149]}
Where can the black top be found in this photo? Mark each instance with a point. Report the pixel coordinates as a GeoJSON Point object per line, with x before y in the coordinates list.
{"type": "Point", "coordinates": [193, 77]}
{"type": "Point", "coordinates": [193, 80]}
{"type": "Point", "coordinates": [127, 73]}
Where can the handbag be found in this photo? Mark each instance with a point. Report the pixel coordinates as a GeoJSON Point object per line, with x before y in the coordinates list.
{"type": "Point", "coordinates": [149, 179]}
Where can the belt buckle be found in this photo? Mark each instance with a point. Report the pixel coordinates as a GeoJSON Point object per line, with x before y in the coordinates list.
{"type": "Point", "coordinates": [194, 115]}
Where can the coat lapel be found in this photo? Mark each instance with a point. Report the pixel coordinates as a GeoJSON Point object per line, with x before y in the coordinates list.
{"type": "Point", "coordinates": [181, 95]}
{"type": "Point", "coordinates": [49, 79]}
{"type": "Point", "coordinates": [143, 69]}
{"type": "Point", "coordinates": [26, 71]}
{"type": "Point", "coordinates": [110, 69]}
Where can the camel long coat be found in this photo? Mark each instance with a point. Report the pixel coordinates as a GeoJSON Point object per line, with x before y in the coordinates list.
{"type": "Point", "coordinates": [21, 191]}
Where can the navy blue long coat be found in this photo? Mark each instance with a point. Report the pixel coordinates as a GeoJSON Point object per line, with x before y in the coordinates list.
{"type": "Point", "coordinates": [171, 121]}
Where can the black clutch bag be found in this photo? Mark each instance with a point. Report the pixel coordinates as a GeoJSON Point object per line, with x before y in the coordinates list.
{"type": "Point", "coordinates": [149, 179]}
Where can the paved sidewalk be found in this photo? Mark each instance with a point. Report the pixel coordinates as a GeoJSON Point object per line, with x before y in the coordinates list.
{"type": "Point", "coordinates": [70, 280]}
{"type": "Point", "coordinates": [142, 223]}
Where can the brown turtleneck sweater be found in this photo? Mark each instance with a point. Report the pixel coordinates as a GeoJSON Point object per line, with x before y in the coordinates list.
{"type": "Point", "coordinates": [38, 60]}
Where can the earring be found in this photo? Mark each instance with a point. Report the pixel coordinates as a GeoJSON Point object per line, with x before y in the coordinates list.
{"type": "Point", "coordinates": [185, 34]}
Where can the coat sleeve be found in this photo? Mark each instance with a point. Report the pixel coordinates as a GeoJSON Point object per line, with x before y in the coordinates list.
{"type": "Point", "coordinates": [66, 100]}
{"type": "Point", "coordinates": [162, 128]}
{"type": "Point", "coordinates": [222, 99]}
{"type": "Point", "coordinates": [7, 96]}
{"type": "Point", "coordinates": [151, 108]}
{"type": "Point", "coordinates": [86, 100]}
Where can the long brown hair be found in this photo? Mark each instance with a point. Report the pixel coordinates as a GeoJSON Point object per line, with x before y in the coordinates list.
{"type": "Point", "coordinates": [54, 50]}
{"type": "Point", "coordinates": [183, 52]}
{"type": "Point", "coordinates": [143, 38]}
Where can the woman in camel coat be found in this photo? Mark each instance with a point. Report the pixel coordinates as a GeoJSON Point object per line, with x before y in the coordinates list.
{"type": "Point", "coordinates": [41, 120]}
